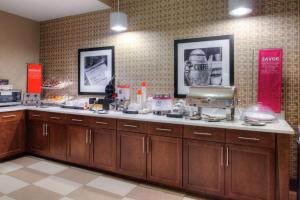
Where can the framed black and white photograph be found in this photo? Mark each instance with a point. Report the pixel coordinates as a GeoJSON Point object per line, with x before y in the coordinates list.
{"type": "Point", "coordinates": [96, 67]}
{"type": "Point", "coordinates": [205, 61]}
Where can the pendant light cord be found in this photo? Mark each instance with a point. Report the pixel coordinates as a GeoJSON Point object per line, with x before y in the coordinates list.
{"type": "Point", "coordinates": [118, 6]}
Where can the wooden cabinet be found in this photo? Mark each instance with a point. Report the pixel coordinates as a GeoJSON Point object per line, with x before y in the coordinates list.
{"type": "Point", "coordinates": [131, 154]}
{"type": "Point", "coordinates": [57, 134]}
{"type": "Point", "coordinates": [164, 160]}
{"type": "Point", "coordinates": [47, 134]}
{"type": "Point", "coordinates": [221, 163]}
{"type": "Point", "coordinates": [78, 144]}
{"type": "Point", "coordinates": [203, 167]}
{"type": "Point", "coordinates": [38, 140]}
{"type": "Point", "coordinates": [104, 149]}
{"type": "Point", "coordinates": [250, 173]}
{"type": "Point", "coordinates": [12, 137]}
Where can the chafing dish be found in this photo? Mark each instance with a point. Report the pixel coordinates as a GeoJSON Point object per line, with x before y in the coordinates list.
{"type": "Point", "coordinates": [223, 97]}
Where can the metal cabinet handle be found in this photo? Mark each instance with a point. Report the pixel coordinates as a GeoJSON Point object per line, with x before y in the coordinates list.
{"type": "Point", "coordinates": [144, 145]}
{"type": "Point", "coordinates": [57, 118]}
{"type": "Point", "coordinates": [249, 139]}
{"type": "Point", "coordinates": [46, 129]}
{"type": "Point", "coordinates": [77, 120]}
{"type": "Point", "coordinates": [227, 157]}
{"type": "Point", "coordinates": [102, 123]}
{"type": "Point", "coordinates": [86, 136]}
{"type": "Point", "coordinates": [148, 144]}
{"type": "Point", "coordinates": [43, 129]}
{"type": "Point", "coordinates": [36, 115]}
{"type": "Point", "coordinates": [130, 126]}
{"type": "Point", "coordinates": [222, 156]}
{"type": "Point", "coordinates": [205, 134]}
{"type": "Point", "coordinates": [164, 129]}
{"type": "Point", "coordinates": [90, 136]}
{"type": "Point", "coordinates": [9, 116]}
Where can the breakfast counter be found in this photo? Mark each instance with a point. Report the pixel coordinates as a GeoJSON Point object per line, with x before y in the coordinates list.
{"type": "Point", "coordinates": [280, 127]}
{"type": "Point", "coordinates": [147, 147]}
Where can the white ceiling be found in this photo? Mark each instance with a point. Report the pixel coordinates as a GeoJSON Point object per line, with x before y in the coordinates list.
{"type": "Point", "coordinates": [41, 10]}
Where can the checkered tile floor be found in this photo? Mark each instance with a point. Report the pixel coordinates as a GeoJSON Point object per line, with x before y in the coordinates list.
{"type": "Point", "coordinates": [30, 178]}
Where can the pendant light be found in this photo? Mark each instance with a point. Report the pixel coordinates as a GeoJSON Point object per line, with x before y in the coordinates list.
{"type": "Point", "coordinates": [240, 7]}
{"type": "Point", "coordinates": [118, 20]}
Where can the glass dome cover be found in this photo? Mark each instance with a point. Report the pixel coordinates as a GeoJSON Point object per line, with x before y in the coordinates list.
{"type": "Point", "coordinates": [259, 113]}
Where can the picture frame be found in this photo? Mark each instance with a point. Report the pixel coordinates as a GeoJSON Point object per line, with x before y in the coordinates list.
{"type": "Point", "coordinates": [207, 61]}
{"type": "Point", "coordinates": [96, 68]}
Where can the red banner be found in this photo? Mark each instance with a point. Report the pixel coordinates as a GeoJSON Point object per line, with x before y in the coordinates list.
{"type": "Point", "coordinates": [34, 78]}
{"type": "Point", "coordinates": [270, 78]}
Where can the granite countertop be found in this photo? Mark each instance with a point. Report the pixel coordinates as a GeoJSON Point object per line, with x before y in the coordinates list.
{"type": "Point", "coordinates": [281, 127]}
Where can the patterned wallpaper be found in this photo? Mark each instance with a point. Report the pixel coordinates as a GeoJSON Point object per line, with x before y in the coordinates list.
{"type": "Point", "coordinates": [145, 51]}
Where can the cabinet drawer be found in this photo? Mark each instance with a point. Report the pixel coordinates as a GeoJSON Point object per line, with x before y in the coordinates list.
{"type": "Point", "coordinates": [78, 120]}
{"type": "Point", "coordinates": [204, 133]}
{"type": "Point", "coordinates": [99, 122]}
{"type": "Point", "coordinates": [250, 138]}
{"type": "Point", "coordinates": [36, 115]}
{"type": "Point", "coordinates": [132, 126]}
{"type": "Point", "coordinates": [11, 116]}
{"type": "Point", "coordinates": [170, 130]}
{"type": "Point", "coordinates": [56, 118]}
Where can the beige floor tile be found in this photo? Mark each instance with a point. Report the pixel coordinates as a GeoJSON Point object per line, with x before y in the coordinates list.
{"type": "Point", "coordinates": [10, 184]}
{"type": "Point", "coordinates": [77, 175]}
{"type": "Point", "coordinates": [35, 193]}
{"type": "Point", "coordinates": [141, 193]}
{"type": "Point", "coordinates": [112, 185]}
{"type": "Point", "coordinates": [194, 198]}
{"type": "Point", "coordinates": [48, 167]}
{"type": "Point", "coordinates": [87, 193]}
{"type": "Point", "coordinates": [27, 160]}
{"type": "Point", "coordinates": [6, 198]}
{"type": "Point", "coordinates": [28, 175]}
{"type": "Point", "coordinates": [87, 171]}
{"type": "Point", "coordinates": [9, 167]}
{"type": "Point", "coordinates": [58, 185]}
{"type": "Point", "coordinates": [161, 189]}
{"type": "Point", "coordinates": [66, 198]}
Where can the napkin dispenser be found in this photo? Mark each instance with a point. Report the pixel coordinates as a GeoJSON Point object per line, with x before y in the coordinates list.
{"type": "Point", "coordinates": [223, 97]}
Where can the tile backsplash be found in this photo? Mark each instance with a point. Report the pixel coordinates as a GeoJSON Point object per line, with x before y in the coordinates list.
{"type": "Point", "coordinates": [146, 51]}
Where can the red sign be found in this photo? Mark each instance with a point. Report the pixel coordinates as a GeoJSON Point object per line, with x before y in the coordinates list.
{"type": "Point", "coordinates": [34, 78]}
{"type": "Point", "coordinates": [270, 78]}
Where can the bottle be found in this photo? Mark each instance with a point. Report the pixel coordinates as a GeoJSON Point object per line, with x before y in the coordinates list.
{"type": "Point", "coordinates": [144, 94]}
{"type": "Point", "coordinates": [139, 98]}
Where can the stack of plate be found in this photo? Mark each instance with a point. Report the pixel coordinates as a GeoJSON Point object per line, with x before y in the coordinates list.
{"type": "Point", "coordinates": [258, 119]}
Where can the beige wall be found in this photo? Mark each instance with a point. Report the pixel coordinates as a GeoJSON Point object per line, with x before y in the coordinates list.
{"type": "Point", "coordinates": [146, 50]}
{"type": "Point", "coordinates": [19, 44]}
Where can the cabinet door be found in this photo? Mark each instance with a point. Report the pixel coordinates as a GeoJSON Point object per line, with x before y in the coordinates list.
{"type": "Point", "coordinates": [12, 139]}
{"type": "Point", "coordinates": [203, 167]}
{"type": "Point", "coordinates": [104, 149]}
{"type": "Point", "coordinates": [164, 160]}
{"type": "Point", "coordinates": [131, 154]}
{"type": "Point", "coordinates": [78, 145]}
{"type": "Point", "coordinates": [58, 140]}
{"type": "Point", "coordinates": [250, 173]}
{"type": "Point", "coordinates": [39, 142]}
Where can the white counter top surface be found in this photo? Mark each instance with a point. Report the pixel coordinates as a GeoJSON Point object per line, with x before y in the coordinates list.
{"type": "Point", "coordinates": [281, 126]}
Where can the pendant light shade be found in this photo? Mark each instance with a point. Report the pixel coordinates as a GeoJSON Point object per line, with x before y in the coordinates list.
{"type": "Point", "coordinates": [118, 20]}
{"type": "Point", "coordinates": [240, 7]}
